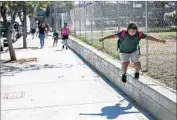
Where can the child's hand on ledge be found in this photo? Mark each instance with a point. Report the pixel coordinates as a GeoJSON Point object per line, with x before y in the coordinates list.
{"type": "Point", "coordinates": [163, 41]}
{"type": "Point", "coordinates": [101, 40]}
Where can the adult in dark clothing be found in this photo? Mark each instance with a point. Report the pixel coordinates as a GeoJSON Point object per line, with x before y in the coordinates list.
{"type": "Point", "coordinates": [42, 31]}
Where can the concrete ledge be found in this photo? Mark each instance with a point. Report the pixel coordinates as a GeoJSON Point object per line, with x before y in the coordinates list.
{"type": "Point", "coordinates": [159, 101]}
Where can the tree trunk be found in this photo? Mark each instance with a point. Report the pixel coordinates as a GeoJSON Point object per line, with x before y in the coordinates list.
{"type": "Point", "coordinates": [3, 14]}
{"type": "Point", "coordinates": [24, 27]}
{"type": "Point", "coordinates": [31, 21]}
{"type": "Point", "coordinates": [8, 33]}
{"type": "Point", "coordinates": [10, 46]}
{"type": "Point", "coordinates": [176, 14]}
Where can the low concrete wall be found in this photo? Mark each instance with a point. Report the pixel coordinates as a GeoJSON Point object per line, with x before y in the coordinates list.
{"type": "Point", "coordinates": [160, 102]}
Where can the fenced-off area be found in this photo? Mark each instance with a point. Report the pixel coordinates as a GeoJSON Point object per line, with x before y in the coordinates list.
{"type": "Point", "coordinates": [93, 20]}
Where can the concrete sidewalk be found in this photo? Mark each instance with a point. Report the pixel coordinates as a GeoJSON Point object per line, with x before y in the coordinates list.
{"type": "Point", "coordinates": [59, 86]}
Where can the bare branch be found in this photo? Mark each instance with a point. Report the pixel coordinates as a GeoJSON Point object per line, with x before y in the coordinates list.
{"type": "Point", "coordinates": [20, 16]}
{"type": "Point", "coordinates": [14, 14]}
{"type": "Point", "coordinates": [3, 13]}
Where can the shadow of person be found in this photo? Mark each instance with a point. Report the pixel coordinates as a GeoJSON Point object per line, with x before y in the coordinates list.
{"type": "Point", "coordinates": [112, 112]}
{"type": "Point", "coordinates": [60, 49]}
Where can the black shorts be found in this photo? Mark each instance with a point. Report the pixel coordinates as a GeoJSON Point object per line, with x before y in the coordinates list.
{"type": "Point", "coordinates": [64, 37]}
{"type": "Point", "coordinates": [55, 38]}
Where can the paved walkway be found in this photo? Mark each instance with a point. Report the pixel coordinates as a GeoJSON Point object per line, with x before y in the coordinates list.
{"type": "Point", "coordinates": [59, 86]}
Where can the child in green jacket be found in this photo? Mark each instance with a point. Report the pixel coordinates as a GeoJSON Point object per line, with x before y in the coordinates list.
{"type": "Point", "coordinates": [129, 42]}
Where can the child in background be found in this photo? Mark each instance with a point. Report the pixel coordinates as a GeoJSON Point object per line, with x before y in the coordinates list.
{"type": "Point", "coordinates": [65, 34]}
{"type": "Point", "coordinates": [55, 37]}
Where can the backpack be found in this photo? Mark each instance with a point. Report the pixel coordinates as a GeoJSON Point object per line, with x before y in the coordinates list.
{"type": "Point", "coordinates": [65, 31]}
{"type": "Point", "coordinates": [18, 35]}
{"type": "Point", "coordinates": [122, 38]}
{"type": "Point", "coordinates": [55, 34]}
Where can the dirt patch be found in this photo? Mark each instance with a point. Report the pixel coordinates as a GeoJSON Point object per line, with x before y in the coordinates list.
{"type": "Point", "coordinates": [26, 60]}
{"type": "Point", "coordinates": [23, 60]}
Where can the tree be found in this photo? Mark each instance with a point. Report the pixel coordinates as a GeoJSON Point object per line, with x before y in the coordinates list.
{"type": "Point", "coordinates": [23, 10]}
{"type": "Point", "coordinates": [27, 8]}
{"type": "Point", "coordinates": [47, 12]}
{"type": "Point", "coordinates": [176, 12]}
{"type": "Point", "coordinates": [67, 5]}
{"type": "Point", "coordinates": [12, 8]}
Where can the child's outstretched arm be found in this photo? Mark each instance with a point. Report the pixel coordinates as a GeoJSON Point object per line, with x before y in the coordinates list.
{"type": "Point", "coordinates": [109, 37]}
{"type": "Point", "coordinates": [155, 39]}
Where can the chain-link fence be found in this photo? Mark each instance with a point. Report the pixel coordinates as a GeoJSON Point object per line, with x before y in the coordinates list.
{"type": "Point", "coordinates": [93, 20]}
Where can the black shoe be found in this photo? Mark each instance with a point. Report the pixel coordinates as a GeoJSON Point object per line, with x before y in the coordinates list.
{"type": "Point", "coordinates": [66, 48]}
{"type": "Point", "coordinates": [137, 75]}
{"type": "Point", "coordinates": [63, 46]}
{"type": "Point", "coordinates": [124, 78]}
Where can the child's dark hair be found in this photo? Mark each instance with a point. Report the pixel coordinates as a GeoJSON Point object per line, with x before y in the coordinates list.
{"type": "Point", "coordinates": [132, 26]}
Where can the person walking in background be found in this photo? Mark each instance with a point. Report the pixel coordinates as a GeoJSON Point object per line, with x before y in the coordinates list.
{"type": "Point", "coordinates": [65, 35]}
{"type": "Point", "coordinates": [55, 37]}
{"type": "Point", "coordinates": [128, 42]}
{"type": "Point", "coordinates": [41, 32]}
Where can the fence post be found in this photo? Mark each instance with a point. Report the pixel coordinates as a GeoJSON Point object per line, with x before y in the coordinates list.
{"type": "Point", "coordinates": [85, 18]}
{"type": "Point", "coordinates": [101, 6]}
{"type": "Point", "coordinates": [55, 14]}
{"type": "Point", "coordinates": [118, 23]}
{"type": "Point", "coordinates": [91, 20]}
{"type": "Point", "coordinates": [93, 12]}
{"type": "Point", "coordinates": [147, 41]}
{"type": "Point", "coordinates": [75, 21]}
{"type": "Point", "coordinates": [80, 17]}
{"type": "Point", "coordinates": [176, 37]}
{"type": "Point", "coordinates": [133, 12]}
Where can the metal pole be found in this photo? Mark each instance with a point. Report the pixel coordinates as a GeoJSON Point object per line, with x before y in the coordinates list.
{"type": "Point", "coordinates": [91, 20]}
{"type": "Point", "coordinates": [147, 41]}
{"type": "Point", "coordinates": [57, 20]}
{"type": "Point", "coordinates": [132, 19]}
{"type": "Point", "coordinates": [75, 21]}
{"type": "Point", "coordinates": [55, 14]}
{"type": "Point", "coordinates": [176, 44]}
{"type": "Point", "coordinates": [118, 23]}
{"type": "Point", "coordinates": [85, 19]}
{"type": "Point", "coordinates": [80, 17]}
{"type": "Point", "coordinates": [101, 5]}
{"type": "Point", "coordinates": [93, 12]}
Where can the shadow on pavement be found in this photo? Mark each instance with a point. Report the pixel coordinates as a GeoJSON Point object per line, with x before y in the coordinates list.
{"type": "Point", "coordinates": [60, 49]}
{"type": "Point", "coordinates": [105, 111]}
{"type": "Point", "coordinates": [20, 48]}
{"type": "Point", "coordinates": [112, 112]}
{"type": "Point", "coordinates": [11, 68]}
